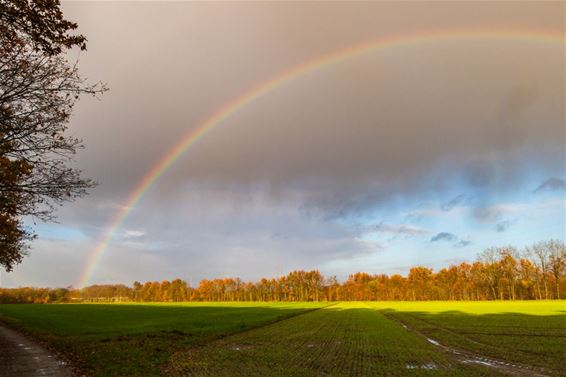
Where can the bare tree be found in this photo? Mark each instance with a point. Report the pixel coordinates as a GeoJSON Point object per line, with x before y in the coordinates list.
{"type": "Point", "coordinates": [557, 263]}
{"type": "Point", "coordinates": [541, 256]}
{"type": "Point", "coordinates": [491, 273]}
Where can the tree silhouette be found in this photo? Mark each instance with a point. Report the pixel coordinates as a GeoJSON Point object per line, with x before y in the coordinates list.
{"type": "Point", "coordinates": [38, 90]}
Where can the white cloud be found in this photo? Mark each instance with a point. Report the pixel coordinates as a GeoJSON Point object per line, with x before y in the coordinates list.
{"type": "Point", "coordinates": [132, 233]}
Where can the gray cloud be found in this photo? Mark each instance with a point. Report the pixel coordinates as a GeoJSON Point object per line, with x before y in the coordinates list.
{"type": "Point", "coordinates": [512, 112]}
{"type": "Point", "coordinates": [462, 243]}
{"type": "Point", "coordinates": [400, 229]}
{"type": "Point", "coordinates": [209, 238]}
{"type": "Point", "coordinates": [277, 182]}
{"type": "Point", "coordinates": [370, 131]}
{"type": "Point", "coordinates": [480, 173]}
{"type": "Point", "coordinates": [519, 99]}
{"type": "Point", "coordinates": [449, 237]}
{"type": "Point", "coordinates": [504, 225]}
{"type": "Point", "coordinates": [551, 184]}
{"type": "Point", "coordinates": [486, 214]}
{"type": "Point", "coordinates": [449, 205]}
{"type": "Point", "coordinates": [444, 236]}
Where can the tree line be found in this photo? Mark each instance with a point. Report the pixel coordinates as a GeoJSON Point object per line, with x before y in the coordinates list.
{"type": "Point", "coordinates": [537, 272]}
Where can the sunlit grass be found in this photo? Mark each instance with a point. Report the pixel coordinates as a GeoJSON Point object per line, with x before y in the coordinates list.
{"type": "Point", "coordinates": [546, 307]}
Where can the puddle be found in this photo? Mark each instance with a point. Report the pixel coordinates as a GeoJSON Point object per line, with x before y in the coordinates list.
{"type": "Point", "coordinates": [240, 347]}
{"type": "Point", "coordinates": [481, 362]}
{"type": "Point", "coordinates": [433, 342]}
{"type": "Point", "coordinates": [468, 360]}
{"type": "Point", "coordinates": [465, 357]}
{"type": "Point", "coordinates": [427, 366]}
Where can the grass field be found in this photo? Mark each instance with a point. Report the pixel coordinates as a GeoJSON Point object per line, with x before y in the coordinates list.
{"type": "Point", "coordinates": [524, 332]}
{"type": "Point", "coordinates": [348, 339]}
{"type": "Point", "coordinates": [137, 339]}
{"type": "Point", "coordinates": [281, 339]}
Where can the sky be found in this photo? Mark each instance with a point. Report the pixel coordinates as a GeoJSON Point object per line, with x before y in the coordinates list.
{"type": "Point", "coordinates": [418, 154]}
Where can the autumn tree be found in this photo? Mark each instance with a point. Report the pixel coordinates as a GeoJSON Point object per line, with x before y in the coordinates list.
{"type": "Point", "coordinates": [509, 269]}
{"type": "Point", "coordinates": [420, 282]}
{"type": "Point", "coordinates": [38, 90]}
{"type": "Point", "coordinates": [332, 288]}
{"type": "Point", "coordinates": [40, 22]}
{"type": "Point", "coordinates": [497, 274]}
{"type": "Point", "coordinates": [528, 279]}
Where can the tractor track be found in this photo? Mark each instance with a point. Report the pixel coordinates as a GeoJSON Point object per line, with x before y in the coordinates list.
{"type": "Point", "coordinates": [473, 358]}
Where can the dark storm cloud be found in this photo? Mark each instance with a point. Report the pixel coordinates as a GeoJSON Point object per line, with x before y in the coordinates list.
{"type": "Point", "coordinates": [371, 130]}
{"type": "Point", "coordinates": [551, 184]}
{"type": "Point", "coordinates": [444, 236]}
{"type": "Point", "coordinates": [272, 186]}
{"type": "Point", "coordinates": [347, 158]}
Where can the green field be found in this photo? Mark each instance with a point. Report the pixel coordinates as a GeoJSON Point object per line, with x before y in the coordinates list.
{"type": "Point", "coordinates": [531, 332]}
{"type": "Point", "coordinates": [295, 339]}
{"type": "Point", "coordinates": [136, 339]}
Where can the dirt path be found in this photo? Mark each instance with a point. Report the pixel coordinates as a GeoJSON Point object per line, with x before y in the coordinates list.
{"type": "Point", "coordinates": [22, 357]}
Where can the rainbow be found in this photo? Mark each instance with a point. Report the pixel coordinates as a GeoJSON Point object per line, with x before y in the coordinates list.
{"type": "Point", "coordinates": [241, 101]}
